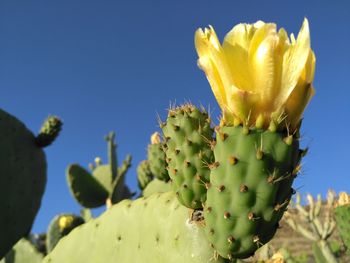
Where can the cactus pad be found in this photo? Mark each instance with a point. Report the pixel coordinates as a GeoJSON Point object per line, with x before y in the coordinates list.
{"type": "Point", "coordinates": [144, 174]}
{"type": "Point", "coordinates": [250, 188]}
{"type": "Point", "coordinates": [61, 226]}
{"type": "Point", "coordinates": [342, 216]}
{"type": "Point", "coordinates": [23, 179]}
{"type": "Point", "coordinates": [188, 135]}
{"type": "Point", "coordinates": [156, 229]}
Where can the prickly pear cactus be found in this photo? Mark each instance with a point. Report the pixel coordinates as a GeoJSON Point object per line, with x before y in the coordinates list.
{"type": "Point", "coordinates": [262, 82]}
{"type": "Point", "coordinates": [250, 188]}
{"type": "Point", "coordinates": [144, 174]}
{"type": "Point", "coordinates": [23, 252]}
{"type": "Point", "coordinates": [106, 183]}
{"type": "Point", "coordinates": [22, 177]}
{"type": "Point", "coordinates": [157, 159]}
{"type": "Point", "coordinates": [59, 227]}
{"type": "Point", "coordinates": [156, 229]}
{"type": "Point", "coordinates": [156, 186]}
{"type": "Point", "coordinates": [188, 136]}
{"type": "Point", "coordinates": [342, 217]}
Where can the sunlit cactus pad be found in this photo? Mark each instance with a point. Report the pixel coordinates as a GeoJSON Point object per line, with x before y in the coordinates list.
{"type": "Point", "coordinates": [149, 230]}
{"type": "Point", "coordinates": [250, 188]}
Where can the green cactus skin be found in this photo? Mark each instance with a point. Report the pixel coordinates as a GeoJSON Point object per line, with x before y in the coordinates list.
{"type": "Point", "coordinates": [144, 174]}
{"type": "Point", "coordinates": [250, 188]}
{"type": "Point", "coordinates": [22, 178]}
{"type": "Point", "coordinates": [156, 229]}
{"type": "Point", "coordinates": [188, 135]}
{"type": "Point", "coordinates": [156, 186]}
{"type": "Point", "coordinates": [59, 227]}
{"type": "Point", "coordinates": [23, 252]}
{"type": "Point", "coordinates": [106, 183]}
{"type": "Point", "coordinates": [85, 188]}
{"type": "Point", "coordinates": [157, 163]}
{"type": "Point", "coordinates": [342, 217]}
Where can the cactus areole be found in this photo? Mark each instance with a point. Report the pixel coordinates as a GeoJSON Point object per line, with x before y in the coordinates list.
{"type": "Point", "coordinates": [262, 80]}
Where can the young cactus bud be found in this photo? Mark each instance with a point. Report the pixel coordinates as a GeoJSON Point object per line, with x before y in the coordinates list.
{"type": "Point", "coordinates": [49, 131]}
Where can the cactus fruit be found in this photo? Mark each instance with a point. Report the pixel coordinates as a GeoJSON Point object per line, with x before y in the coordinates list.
{"type": "Point", "coordinates": [250, 188]}
{"type": "Point", "coordinates": [22, 177]}
{"type": "Point", "coordinates": [188, 136]}
{"type": "Point", "coordinates": [23, 252]}
{"type": "Point", "coordinates": [156, 158]}
{"type": "Point", "coordinates": [105, 185]}
{"type": "Point", "coordinates": [156, 229]}
{"type": "Point", "coordinates": [59, 227]}
{"type": "Point", "coordinates": [156, 186]}
{"type": "Point", "coordinates": [342, 216]}
{"type": "Point", "coordinates": [144, 174]}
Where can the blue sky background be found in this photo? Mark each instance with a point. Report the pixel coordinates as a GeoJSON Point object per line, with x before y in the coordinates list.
{"type": "Point", "coordinates": [114, 65]}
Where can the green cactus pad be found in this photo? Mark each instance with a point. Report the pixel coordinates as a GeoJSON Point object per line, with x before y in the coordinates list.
{"type": "Point", "coordinates": [23, 252]}
{"type": "Point", "coordinates": [157, 163]}
{"type": "Point", "coordinates": [144, 174]}
{"type": "Point", "coordinates": [22, 178]}
{"type": "Point", "coordinates": [156, 186]}
{"type": "Point", "coordinates": [85, 188]}
{"type": "Point", "coordinates": [156, 229]}
{"type": "Point", "coordinates": [59, 227]}
{"type": "Point", "coordinates": [342, 216]}
{"type": "Point", "coordinates": [188, 135]}
{"type": "Point", "coordinates": [250, 189]}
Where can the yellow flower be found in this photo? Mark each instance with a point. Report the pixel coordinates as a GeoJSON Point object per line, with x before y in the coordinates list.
{"type": "Point", "coordinates": [258, 74]}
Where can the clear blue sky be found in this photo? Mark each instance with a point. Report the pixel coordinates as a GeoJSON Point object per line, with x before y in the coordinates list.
{"type": "Point", "coordinates": [113, 65]}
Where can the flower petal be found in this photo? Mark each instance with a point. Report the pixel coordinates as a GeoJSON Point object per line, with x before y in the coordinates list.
{"type": "Point", "coordinates": [294, 61]}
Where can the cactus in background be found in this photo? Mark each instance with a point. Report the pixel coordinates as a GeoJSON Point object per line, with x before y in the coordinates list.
{"type": "Point", "coordinates": [59, 227]}
{"type": "Point", "coordinates": [22, 176]}
{"type": "Point", "coordinates": [342, 217]}
{"type": "Point", "coordinates": [105, 185]}
{"type": "Point", "coordinates": [257, 153]}
{"type": "Point", "coordinates": [156, 186]}
{"type": "Point", "coordinates": [144, 174]}
{"type": "Point", "coordinates": [156, 158]}
{"type": "Point", "coordinates": [156, 229]}
{"type": "Point", "coordinates": [188, 136]}
{"type": "Point", "coordinates": [23, 252]}
{"type": "Point", "coordinates": [318, 232]}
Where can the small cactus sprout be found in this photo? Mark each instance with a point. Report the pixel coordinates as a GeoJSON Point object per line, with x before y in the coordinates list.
{"type": "Point", "coordinates": [49, 131]}
{"type": "Point", "coordinates": [318, 232]}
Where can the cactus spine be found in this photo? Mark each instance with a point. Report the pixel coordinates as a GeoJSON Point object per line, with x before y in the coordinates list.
{"type": "Point", "coordinates": [188, 135]}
